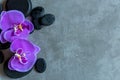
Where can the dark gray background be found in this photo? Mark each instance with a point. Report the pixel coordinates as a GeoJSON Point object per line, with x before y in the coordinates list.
{"type": "Point", "coordinates": [82, 44]}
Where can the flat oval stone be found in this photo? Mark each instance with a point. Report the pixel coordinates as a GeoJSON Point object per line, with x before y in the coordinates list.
{"type": "Point", "coordinates": [24, 6]}
{"type": "Point", "coordinates": [12, 73]}
{"type": "Point", "coordinates": [40, 65]}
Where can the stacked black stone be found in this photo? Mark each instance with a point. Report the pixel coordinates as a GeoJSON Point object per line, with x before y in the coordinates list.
{"type": "Point", "coordinates": [24, 6]}
{"type": "Point", "coordinates": [12, 73]}
{"type": "Point", "coordinates": [40, 67]}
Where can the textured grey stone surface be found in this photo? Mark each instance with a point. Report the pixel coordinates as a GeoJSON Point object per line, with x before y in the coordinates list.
{"type": "Point", "coordinates": [83, 43]}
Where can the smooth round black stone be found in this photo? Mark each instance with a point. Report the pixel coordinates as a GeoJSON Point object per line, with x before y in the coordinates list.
{"type": "Point", "coordinates": [37, 12]}
{"type": "Point", "coordinates": [40, 65]}
{"type": "Point", "coordinates": [12, 73]}
{"type": "Point", "coordinates": [24, 6]}
{"type": "Point", "coordinates": [1, 57]}
{"type": "Point", "coordinates": [4, 45]}
{"type": "Point", "coordinates": [47, 20]}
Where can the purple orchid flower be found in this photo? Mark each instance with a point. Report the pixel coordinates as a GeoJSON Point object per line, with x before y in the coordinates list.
{"type": "Point", "coordinates": [25, 55]}
{"type": "Point", "coordinates": [14, 25]}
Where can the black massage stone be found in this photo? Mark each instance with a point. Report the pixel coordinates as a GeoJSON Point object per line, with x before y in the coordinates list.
{"type": "Point", "coordinates": [24, 6]}
{"type": "Point", "coordinates": [4, 45]}
{"type": "Point", "coordinates": [14, 74]}
{"type": "Point", "coordinates": [37, 12]}
{"type": "Point", "coordinates": [47, 19]}
{"type": "Point", "coordinates": [1, 57]}
{"type": "Point", "coordinates": [40, 65]}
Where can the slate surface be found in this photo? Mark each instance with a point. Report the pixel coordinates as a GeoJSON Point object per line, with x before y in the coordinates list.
{"type": "Point", "coordinates": [83, 43]}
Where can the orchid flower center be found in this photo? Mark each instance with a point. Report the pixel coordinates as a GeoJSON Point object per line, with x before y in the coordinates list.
{"type": "Point", "coordinates": [21, 56]}
{"type": "Point", "coordinates": [18, 28]}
